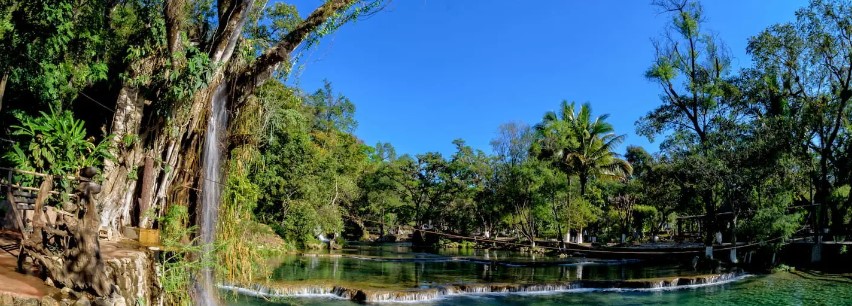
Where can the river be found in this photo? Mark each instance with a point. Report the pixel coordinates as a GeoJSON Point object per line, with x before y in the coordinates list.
{"type": "Point", "coordinates": [394, 274]}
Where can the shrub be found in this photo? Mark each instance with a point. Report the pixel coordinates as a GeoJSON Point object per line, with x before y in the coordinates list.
{"type": "Point", "coordinates": [54, 143]}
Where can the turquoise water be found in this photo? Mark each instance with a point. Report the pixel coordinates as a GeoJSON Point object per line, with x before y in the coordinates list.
{"type": "Point", "coordinates": [380, 274]}
{"type": "Point", "coordinates": [398, 268]}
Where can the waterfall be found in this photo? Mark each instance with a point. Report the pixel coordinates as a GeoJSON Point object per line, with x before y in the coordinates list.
{"type": "Point", "coordinates": [211, 191]}
{"type": "Point", "coordinates": [442, 291]}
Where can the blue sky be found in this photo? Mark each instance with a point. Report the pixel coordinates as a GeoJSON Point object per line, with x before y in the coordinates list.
{"type": "Point", "coordinates": [424, 72]}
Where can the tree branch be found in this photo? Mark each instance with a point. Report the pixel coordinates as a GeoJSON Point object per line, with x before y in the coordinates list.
{"type": "Point", "coordinates": [262, 68]}
{"type": "Point", "coordinates": [173, 10]}
{"type": "Point", "coordinates": [232, 17]}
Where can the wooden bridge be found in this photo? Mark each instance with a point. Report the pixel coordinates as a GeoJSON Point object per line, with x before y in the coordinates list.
{"type": "Point", "coordinates": [58, 229]}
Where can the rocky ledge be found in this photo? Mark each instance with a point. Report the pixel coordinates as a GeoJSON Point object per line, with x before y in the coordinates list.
{"type": "Point", "coordinates": [425, 294]}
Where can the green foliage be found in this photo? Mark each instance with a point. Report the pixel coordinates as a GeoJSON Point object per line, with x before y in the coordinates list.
{"type": "Point", "coordinates": [54, 143]}
{"type": "Point", "coordinates": [783, 268]}
{"type": "Point", "coordinates": [330, 111]}
{"type": "Point", "coordinates": [284, 18]}
{"type": "Point", "coordinates": [581, 213]}
{"type": "Point", "coordinates": [128, 140]}
{"type": "Point", "coordinates": [749, 145]}
{"type": "Point", "coordinates": [186, 80]}
{"type": "Point", "coordinates": [309, 166]}
{"type": "Point", "coordinates": [663, 69]}
{"type": "Point", "coordinates": [177, 263]}
{"type": "Point", "coordinates": [643, 217]}
{"type": "Point", "coordinates": [244, 243]}
{"type": "Point", "coordinates": [51, 48]}
{"type": "Point", "coordinates": [383, 193]}
{"type": "Point", "coordinates": [462, 245]}
{"type": "Point", "coordinates": [579, 145]}
{"type": "Point", "coordinates": [357, 9]}
{"type": "Point", "coordinates": [702, 65]}
{"type": "Point", "coordinates": [772, 223]}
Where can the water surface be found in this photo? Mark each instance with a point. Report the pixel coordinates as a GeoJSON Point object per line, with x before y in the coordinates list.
{"type": "Point", "coordinates": [397, 267]}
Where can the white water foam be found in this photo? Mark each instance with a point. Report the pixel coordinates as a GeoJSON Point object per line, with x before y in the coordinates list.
{"type": "Point", "coordinates": [484, 290]}
{"type": "Point", "coordinates": [674, 288]}
{"type": "Point", "coordinates": [264, 292]}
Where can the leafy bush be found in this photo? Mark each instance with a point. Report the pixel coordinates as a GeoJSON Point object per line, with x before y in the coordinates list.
{"type": "Point", "coordinates": [643, 217]}
{"type": "Point", "coordinates": [54, 143]}
{"type": "Point", "coordinates": [772, 222]}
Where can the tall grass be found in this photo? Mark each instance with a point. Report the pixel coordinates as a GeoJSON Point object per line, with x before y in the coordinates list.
{"type": "Point", "coordinates": [239, 257]}
{"type": "Point", "coordinates": [180, 260]}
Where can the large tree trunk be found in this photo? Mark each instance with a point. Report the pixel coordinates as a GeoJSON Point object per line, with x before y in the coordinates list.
{"type": "Point", "coordinates": [733, 254]}
{"type": "Point", "coordinates": [120, 174]}
{"type": "Point", "coordinates": [821, 196]}
{"type": "Point", "coordinates": [175, 143]}
{"type": "Point", "coordinates": [709, 219]}
{"type": "Point", "coordinates": [168, 143]}
{"type": "Point", "coordinates": [568, 208]}
{"type": "Point", "coordinates": [3, 80]}
{"type": "Point", "coordinates": [580, 235]}
{"type": "Point", "coordinates": [555, 209]}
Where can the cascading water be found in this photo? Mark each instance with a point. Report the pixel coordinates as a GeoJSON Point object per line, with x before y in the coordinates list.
{"type": "Point", "coordinates": [439, 291]}
{"type": "Point", "coordinates": [210, 194]}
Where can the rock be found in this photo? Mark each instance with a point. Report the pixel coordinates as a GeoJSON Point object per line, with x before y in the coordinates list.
{"type": "Point", "coordinates": [48, 301]}
{"type": "Point", "coordinates": [49, 282]}
{"type": "Point", "coordinates": [114, 300]}
{"type": "Point", "coordinates": [134, 275]}
{"type": "Point", "coordinates": [83, 302]}
{"type": "Point", "coordinates": [6, 300]}
{"type": "Point", "coordinates": [119, 301]}
{"type": "Point", "coordinates": [27, 302]}
{"type": "Point", "coordinates": [130, 232]}
{"type": "Point", "coordinates": [65, 291]}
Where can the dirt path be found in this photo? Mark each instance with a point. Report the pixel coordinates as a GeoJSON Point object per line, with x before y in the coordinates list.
{"type": "Point", "coordinates": [11, 281]}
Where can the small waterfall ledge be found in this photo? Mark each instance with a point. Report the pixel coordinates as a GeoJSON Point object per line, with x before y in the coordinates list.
{"type": "Point", "coordinates": [426, 294]}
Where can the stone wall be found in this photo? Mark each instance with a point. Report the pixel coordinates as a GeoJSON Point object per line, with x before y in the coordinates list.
{"type": "Point", "coordinates": [135, 274]}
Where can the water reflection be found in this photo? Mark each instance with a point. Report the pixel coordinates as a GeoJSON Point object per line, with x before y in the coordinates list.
{"type": "Point", "coordinates": [397, 266]}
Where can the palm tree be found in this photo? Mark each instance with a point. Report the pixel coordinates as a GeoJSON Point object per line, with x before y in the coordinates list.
{"type": "Point", "coordinates": [553, 142]}
{"type": "Point", "coordinates": [594, 156]}
{"type": "Point", "coordinates": [579, 145]}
